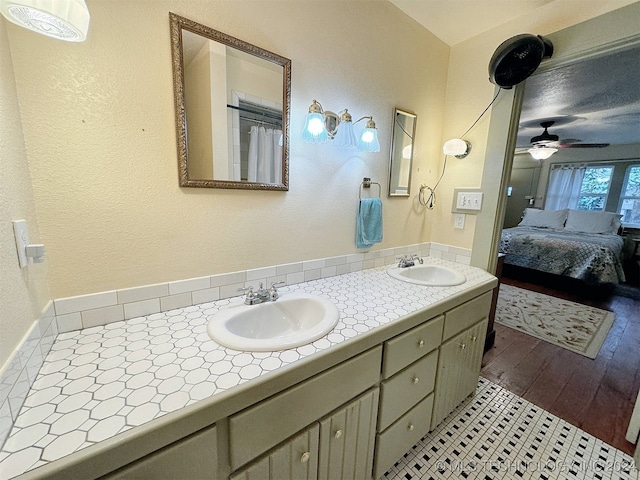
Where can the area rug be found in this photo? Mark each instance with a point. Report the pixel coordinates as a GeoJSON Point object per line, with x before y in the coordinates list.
{"type": "Point", "coordinates": [579, 328]}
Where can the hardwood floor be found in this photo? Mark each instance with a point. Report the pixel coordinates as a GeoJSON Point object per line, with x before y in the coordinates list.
{"type": "Point", "coordinates": [595, 395]}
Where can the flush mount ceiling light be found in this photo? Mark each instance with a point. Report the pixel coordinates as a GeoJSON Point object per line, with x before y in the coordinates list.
{"type": "Point", "coordinates": [322, 126]}
{"type": "Point", "coordinates": [542, 153]}
{"type": "Point", "coordinates": [456, 147]}
{"type": "Point", "coordinates": [66, 20]}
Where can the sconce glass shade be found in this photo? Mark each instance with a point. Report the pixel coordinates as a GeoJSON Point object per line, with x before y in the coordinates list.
{"type": "Point", "coordinates": [456, 147]}
{"type": "Point", "coordinates": [368, 141]}
{"type": "Point", "coordinates": [542, 153]}
{"type": "Point", "coordinates": [66, 20]}
{"type": "Point", "coordinates": [345, 137]}
{"type": "Point", "coordinates": [314, 129]}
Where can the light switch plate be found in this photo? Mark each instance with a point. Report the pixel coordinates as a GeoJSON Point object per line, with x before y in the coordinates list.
{"type": "Point", "coordinates": [21, 232]}
{"type": "Point", "coordinates": [467, 201]}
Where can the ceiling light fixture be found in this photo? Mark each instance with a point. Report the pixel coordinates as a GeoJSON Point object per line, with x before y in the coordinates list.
{"type": "Point", "coordinates": [542, 153]}
{"type": "Point", "coordinates": [322, 126]}
{"type": "Point", "coordinates": [66, 20]}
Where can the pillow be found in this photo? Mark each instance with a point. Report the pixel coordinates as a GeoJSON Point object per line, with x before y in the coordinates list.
{"type": "Point", "coordinates": [543, 218]}
{"type": "Point", "coordinates": [586, 221]}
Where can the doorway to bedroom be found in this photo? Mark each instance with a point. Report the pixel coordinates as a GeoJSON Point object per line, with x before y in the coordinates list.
{"type": "Point", "coordinates": [594, 389]}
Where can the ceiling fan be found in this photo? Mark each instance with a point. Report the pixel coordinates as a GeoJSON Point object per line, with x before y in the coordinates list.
{"type": "Point", "coordinates": [546, 144]}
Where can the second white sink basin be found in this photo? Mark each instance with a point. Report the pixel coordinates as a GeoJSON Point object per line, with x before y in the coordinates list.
{"type": "Point", "coordinates": [294, 319]}
{"type": "Point", "coordinates": [432, 275]}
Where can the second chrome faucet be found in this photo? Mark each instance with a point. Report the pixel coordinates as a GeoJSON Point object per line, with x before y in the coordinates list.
{"type": "Point", "coordinates": [405, 261]}
{"type": "Point", "coordinates": [261, 295]}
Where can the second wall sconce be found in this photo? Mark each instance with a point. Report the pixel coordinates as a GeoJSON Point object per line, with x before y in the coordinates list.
{"type": "Point", "coordinates": [322, 126]}
{"type": "Point", "coordinates": [456, 147]}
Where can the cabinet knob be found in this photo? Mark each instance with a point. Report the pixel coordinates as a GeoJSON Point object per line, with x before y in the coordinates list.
{"type": "Point", "coordinates": [421, 344]}
{"type": "Point", "coordinates": [474, 338]}
{"type": "Point", "coordinates": [411, 427]}
{"type": "Point", "coordinates": [339, 433]}
{"type": "Point", "coordinates": [462, 346]}
{"type": "Point", "coordinates": [415, 379]}
{"type": "Point", "coordinates": [305, 457]}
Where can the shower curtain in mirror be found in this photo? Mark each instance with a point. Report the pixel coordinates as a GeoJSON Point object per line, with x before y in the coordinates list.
{"type": "Point", "coordinates": [265, 155]}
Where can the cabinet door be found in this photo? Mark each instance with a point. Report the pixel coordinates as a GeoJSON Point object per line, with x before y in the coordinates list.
{"type": "Point", "coordinates": [296, 459]}
{"type": "Point", "coordinates": [347, 440]}
{"type": "Point", "coordinates": [194, 457]}
{"type": "Point", "coordinates": [458, 370]}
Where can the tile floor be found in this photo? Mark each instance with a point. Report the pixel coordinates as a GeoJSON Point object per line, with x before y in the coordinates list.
{"type": "Point", "coordinates": [497, 435]}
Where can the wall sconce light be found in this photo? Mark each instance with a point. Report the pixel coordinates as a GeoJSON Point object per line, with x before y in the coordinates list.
{"type": "Point", "coordinates": [542, 153]}
{"type": "Point", "coordinates": [322, 126]}
{"type": "Point", "coordinates": [456, 147]}
{"type": "Point", "coordinates": [66, 20]}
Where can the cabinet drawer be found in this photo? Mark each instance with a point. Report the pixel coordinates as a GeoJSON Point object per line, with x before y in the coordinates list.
{"type": "Point", "coordinates": [261, 427]}
{"type": "Point", "coordinates": [402, 435]}
{"type": "Point", "coordinates": [406, 388]}
{"type": "Point", "coordinates": [405, 349]}
{"type": "Point", "coordinates": [462, 317]}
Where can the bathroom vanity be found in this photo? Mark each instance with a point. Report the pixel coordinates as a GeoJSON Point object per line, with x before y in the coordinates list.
{"type": "Point", "coordinates": [350, 410]}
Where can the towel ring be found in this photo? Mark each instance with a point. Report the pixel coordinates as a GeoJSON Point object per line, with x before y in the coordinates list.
{"type": "Point", "coordinates": [366, 183]}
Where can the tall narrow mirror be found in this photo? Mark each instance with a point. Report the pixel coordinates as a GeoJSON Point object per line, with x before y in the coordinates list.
{"type": "Point", "coordinates": [232, 110]}
{"type": "Point", "coordinates": [404, 130]}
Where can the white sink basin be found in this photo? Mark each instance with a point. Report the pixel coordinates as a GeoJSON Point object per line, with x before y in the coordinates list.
{"type": "Point", "coordinates": [432, 275]}
{"type": "Point", "coordinates": [294, 319]}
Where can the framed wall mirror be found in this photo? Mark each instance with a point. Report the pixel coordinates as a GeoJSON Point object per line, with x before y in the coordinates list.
{"type": "Point", "coordinates": [232, 102]}
{"type": "Point", "coordinates": [404, 130]}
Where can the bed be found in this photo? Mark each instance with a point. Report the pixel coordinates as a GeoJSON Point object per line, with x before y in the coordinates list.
{"type": "Point", "coordinates": [584, 245]}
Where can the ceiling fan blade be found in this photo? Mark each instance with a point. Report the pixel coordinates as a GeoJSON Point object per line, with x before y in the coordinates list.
{"type": "Point", "coordinates": [583, 145]}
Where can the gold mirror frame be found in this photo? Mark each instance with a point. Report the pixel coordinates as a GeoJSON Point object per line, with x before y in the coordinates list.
{"type": "Point", "coordinates": [177, 25]}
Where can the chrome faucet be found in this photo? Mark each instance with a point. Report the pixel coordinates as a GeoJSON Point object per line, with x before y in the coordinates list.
{"type": "Point", "coordinates": [408, 260]}
{"type": "Point", "coordinates": [262, 295]}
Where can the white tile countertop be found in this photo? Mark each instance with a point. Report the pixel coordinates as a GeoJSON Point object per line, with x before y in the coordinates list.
{"type": "Point", "coordinates": [101, 381]}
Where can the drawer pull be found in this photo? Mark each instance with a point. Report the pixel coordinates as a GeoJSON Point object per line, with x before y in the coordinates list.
{"type": "Point", "coordinates": [411, 427]}
{"type": "Point", "coordinates": [421, 344]}
{"type": "Point", "coordinates": [339, 433]}
{"type": "Point", "coordinates": [305, 457]}
{"type": "Point", "coordinates": [415, 379]}
{"type": "Point", "coordinates": [462, 346]}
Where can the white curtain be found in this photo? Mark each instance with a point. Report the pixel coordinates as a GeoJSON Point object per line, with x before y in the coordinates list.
{"type": "Point", "coordinates": [564, 187]}
{"type": "Point", "coordinates": [265, 156]}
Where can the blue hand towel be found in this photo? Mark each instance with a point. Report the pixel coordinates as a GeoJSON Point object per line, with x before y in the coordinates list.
{"type": "Point", "coordinates": [369, 222]}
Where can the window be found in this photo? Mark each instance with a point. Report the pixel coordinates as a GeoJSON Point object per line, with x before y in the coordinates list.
{"type": "Point", "coordinates": [630, 196]}
{"type": "Point", "coordinates": [612, 186]}
{"type": "Point", "coordinates": [595, 188]}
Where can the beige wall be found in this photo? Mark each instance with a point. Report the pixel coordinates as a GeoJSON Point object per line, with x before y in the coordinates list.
{"type": "Point", "coordinates": [99, 128]}
{"type": "Point", "coordinates": [23, 292]}
{"type": "Point", "coordinates": [198, 106]}
{"type": "Point", "coordinates": [469, 92]}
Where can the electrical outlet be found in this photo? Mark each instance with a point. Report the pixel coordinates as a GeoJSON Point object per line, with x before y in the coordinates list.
{"type": "Point", "coordinates": [21, 233]}
{"type": "Point", "coordinates": [458, 220]}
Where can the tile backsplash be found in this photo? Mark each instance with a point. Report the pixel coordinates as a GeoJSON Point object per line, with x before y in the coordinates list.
{"type": "Point", "coordinates": [21, 369]}
{"type": "Point", "coordinates": [75, 313]}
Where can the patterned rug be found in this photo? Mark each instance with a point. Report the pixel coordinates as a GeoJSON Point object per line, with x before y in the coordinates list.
{"type": "Point", "coordinates": [579, 328]}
